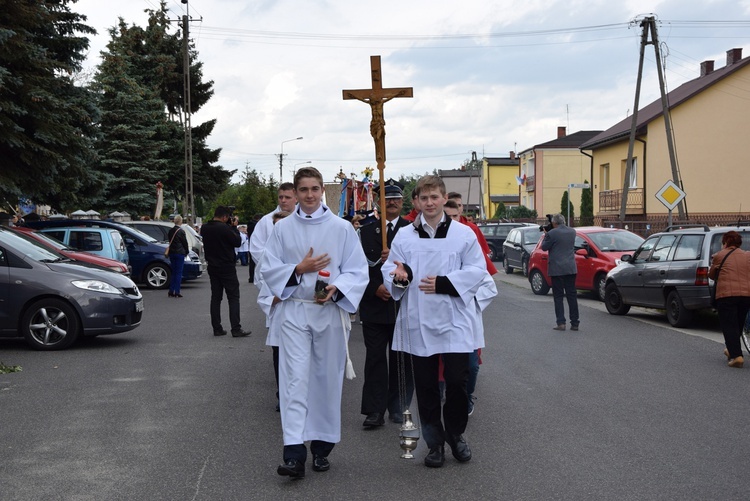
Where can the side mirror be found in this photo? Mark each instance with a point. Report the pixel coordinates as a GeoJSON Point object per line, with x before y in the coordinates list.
{"type": "Point", "coordinates": [583, 252]}
{"type": "Point", "coordinates": [626, 258]}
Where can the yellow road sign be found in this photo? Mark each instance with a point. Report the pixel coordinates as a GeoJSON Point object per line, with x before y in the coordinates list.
{"type": "Point", "coordinates": [670, 195]}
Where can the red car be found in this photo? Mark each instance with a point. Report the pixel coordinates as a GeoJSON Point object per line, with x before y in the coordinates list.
{"type": "Point", "coordinates": [73, 254]}
{"type": "Point", "coordinates": [598, 250]}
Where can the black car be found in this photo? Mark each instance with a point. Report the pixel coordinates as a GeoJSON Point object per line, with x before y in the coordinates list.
{"type": "Point", "coordinates": [51, 300]}
{"type": "Point", "coordinates": [495, 234]}
{"type": "Point", "coordinates": [517, 248]}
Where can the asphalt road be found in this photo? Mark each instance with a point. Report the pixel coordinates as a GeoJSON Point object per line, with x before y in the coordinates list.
{"type": "Point", "coordinates": [626, 408]}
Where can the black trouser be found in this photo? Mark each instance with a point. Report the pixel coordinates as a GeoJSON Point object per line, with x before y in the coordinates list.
{"type": "Point", "coordinates": [275, 350]}
{"type": "Point", "coordinates": [251, 269]}
{"type": "Point", "coordinates": [299, 451]}
{"type": "Point", "coordinates": [455, 411]}
{"type": "Point", "coordinates": [225, 280]}
{"type": "Point", "coordinates": [732, 313]}
{"type": "Point", "coordinates": [565, 285]}
{"type": "Point", "coordinates": [381, 386]}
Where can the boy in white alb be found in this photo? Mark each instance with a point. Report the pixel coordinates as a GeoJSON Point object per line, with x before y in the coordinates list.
{"type": "Point", "coordinates": [448, 288]}
{"type": "Point", "coordinates": [313, 333]}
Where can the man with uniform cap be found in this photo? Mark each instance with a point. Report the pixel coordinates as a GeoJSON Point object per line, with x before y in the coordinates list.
{"type": "Point", "coordinates": [378, 311]}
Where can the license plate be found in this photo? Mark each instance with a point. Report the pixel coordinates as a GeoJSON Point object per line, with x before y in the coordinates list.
{"type": "Point", "coordinates": [139, 306]}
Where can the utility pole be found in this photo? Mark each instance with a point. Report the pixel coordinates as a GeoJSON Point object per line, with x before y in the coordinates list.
{"type": "Point", "coordinates": [649, 26]}
{"type": "Point", "coordinates": [189, 205]}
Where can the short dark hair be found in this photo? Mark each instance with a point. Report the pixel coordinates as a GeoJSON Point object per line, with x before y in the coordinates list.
{"type": "Point", "coordinates": [454, 194]}
{"type": "Point", "coordinates": [451, 204]}
{"type": "Point", "coordinates": [286, 186]}
{"type": "Point", "coordinates": [414, 193]}
{"type": "Point", "coordinates": [308, 172]}
{"type": "Point", "coordinates": [221, 211]}
{"type": "Point", "coordinates": [732, 239]}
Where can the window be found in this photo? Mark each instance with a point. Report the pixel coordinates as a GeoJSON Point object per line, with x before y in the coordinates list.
{"type": "Point", "coordinates": [661, 251]}
{"type": "Point", "coordinates": [86, 240]}
{"type": "Point", "coordinates": [643, 253]}
{"type": "Point", "coordinates": [604, 177]}
{"type": "Point", "coordinates": [688, 248]}
{"type": "Point", "coordinates": [633, 182]}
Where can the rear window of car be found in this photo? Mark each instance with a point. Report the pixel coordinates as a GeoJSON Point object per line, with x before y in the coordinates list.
{"type": "Point", "coordinates": [488, 230]}
{"type": "Point", "coordinates": [688, 248]}
{"type": "Point", "coordinates": [86, 240]}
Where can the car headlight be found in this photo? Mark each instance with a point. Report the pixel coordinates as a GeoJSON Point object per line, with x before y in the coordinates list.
{"type": "Point", "coordinates": [96, 286]}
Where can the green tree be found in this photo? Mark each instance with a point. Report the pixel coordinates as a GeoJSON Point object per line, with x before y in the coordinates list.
{"type": "Point", "coordinates": [500, 211]}
{"type": "Point", "coordinates": [587, 206]}
{"type": "Point", "coordinates": [46, 121]}
{"type": "Point", "coordinates": [564, 205]}
{"type": "Point", "coordinates": [521, 212]}
{"type": "Point", "coordinates": [133, 132]}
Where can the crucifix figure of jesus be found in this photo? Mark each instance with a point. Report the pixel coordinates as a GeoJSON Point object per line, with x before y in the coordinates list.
{"type": "Point", "coordinates": [376, 98]}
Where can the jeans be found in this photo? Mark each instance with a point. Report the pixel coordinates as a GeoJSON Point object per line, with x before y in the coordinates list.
{"type": "Point", "coordinates": [565, 285]}
{"type": "Point", "coordinates": [473, 372]}
{"type": "Point", "coordinates": [177, 263]}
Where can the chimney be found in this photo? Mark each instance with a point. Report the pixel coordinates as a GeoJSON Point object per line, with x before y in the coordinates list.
{"type": "Point", "coordinates": [512, 155]}
{"type": "Point", "coordinates": [734, 56]}
{"type": "Point", "coordinates": [706, 68]}
{"type": "Point", "coordinates": [561, 132]}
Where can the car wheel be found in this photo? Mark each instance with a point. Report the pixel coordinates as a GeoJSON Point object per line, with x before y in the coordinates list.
{"type": "Point", "coordinates": [493, 253]}
{"type": "Point", "coordinates": [600, 283]}
{"type": "Point", "coordinates": [525, 266]}
{"type": "Point", "coordinates": [613, 300]}
{"type": "Point", "coordinates": [538, 283]}
{"type": "Point", "coordinates": [50, 324]}
{"type": "Point", "coordinates": [508, 269]}
{"type": "Point", "coordinates": [157, 276]}
{"type": "Point", "coordinates": [677, 314]}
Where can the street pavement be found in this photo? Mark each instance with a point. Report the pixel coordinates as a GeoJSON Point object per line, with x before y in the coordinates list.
{"type": "Point", "coordinates": [627, 408]}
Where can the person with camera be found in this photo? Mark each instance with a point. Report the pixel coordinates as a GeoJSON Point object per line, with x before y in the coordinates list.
{"type": "Point", "coordinates": [559, 242]}
{"type": "Point", "coordinates": [220, 238]}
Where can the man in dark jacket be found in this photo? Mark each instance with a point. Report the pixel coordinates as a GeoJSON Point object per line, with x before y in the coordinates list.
{"type": "Point", "coordinates": [561, 267]}
{"type": "Point", "coordinates": [378, 313]}
{"type": "Point", "coordinates": [220, 237]}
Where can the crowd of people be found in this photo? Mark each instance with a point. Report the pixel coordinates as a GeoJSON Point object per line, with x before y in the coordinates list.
{"type": "Point", "coordinates": [420, 290]}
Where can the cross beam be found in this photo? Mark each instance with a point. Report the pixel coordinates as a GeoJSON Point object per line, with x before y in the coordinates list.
{"type": "Point", "coordinates": [376, 97]}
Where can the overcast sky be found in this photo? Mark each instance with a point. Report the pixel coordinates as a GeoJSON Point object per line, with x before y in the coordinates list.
{"type": "Point", "coordinates": [488, 76]}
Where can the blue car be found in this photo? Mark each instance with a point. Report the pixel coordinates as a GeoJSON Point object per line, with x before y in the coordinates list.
{"type": "Point", "coordinates": [148, 263]}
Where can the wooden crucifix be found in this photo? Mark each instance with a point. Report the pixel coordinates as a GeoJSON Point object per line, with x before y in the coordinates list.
{"type": "Point", "coordinates": [376, 97]}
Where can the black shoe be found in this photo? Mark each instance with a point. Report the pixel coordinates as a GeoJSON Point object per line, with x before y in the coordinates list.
{"type": "Point", "coordinates": [436, 457]}
{"type": "Point", "coordinates": [574, 327]}
{"type": "Point", "coordinates": [170, 294]}
{"type": "Point", "coordinates": [240, 333]}
{"type": "Point", "coordinates": [373, 419]}
{"type": "Point", "coordinates": [291, 468]}
{"type": "Point", "coordinates": [321, 463]}
{"type": "Point", "coordinates": [459, 447]}
{"type": "Point", "coordinates": [396, 417]}
{"type": "Point", "coordinates": [221, 332]}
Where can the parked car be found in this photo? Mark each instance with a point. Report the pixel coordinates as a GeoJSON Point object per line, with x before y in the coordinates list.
{"type": "Point", "coordinates": [598, 250]}
{"type": "Point", "coordinates": [518, 246]}
{"type": "Point", "coordinates": [83, 257]}
{"type": "Point", "coordinates": [104, 242]}
{"type": "Point", "coordinates": [669, 271]}
{"type": "Point", "coordinates": [51, 300]}
{"type": "Point", "coordinates": [495, 234]}
{"type": "Point", "coordinates": [148, 263]}
{"type": "Point", "coordinates": [160, 231]}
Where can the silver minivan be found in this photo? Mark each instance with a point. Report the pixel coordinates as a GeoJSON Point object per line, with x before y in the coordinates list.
{"type": "Point", "coordinates": [669, 271]}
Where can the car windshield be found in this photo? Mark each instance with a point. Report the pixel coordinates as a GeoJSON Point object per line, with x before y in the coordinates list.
{"type": "Point", "coordinates": [615, 241]}
{"type": "Point", "coordinates": [141, 235]}
{"type": "Point", "coordinates": [51, 240]}
{"type": "Point", "coordinates": [29, 247]}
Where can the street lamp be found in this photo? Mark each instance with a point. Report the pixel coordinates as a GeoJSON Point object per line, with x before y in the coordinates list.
{"type": "Point", "coordinates": [281, 157]}
{"type": "Point", "coordinates": [301, 163]}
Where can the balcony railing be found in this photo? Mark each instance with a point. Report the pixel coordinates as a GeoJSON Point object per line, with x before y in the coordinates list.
{"type": "Point", "coordinates": [610, 201]}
